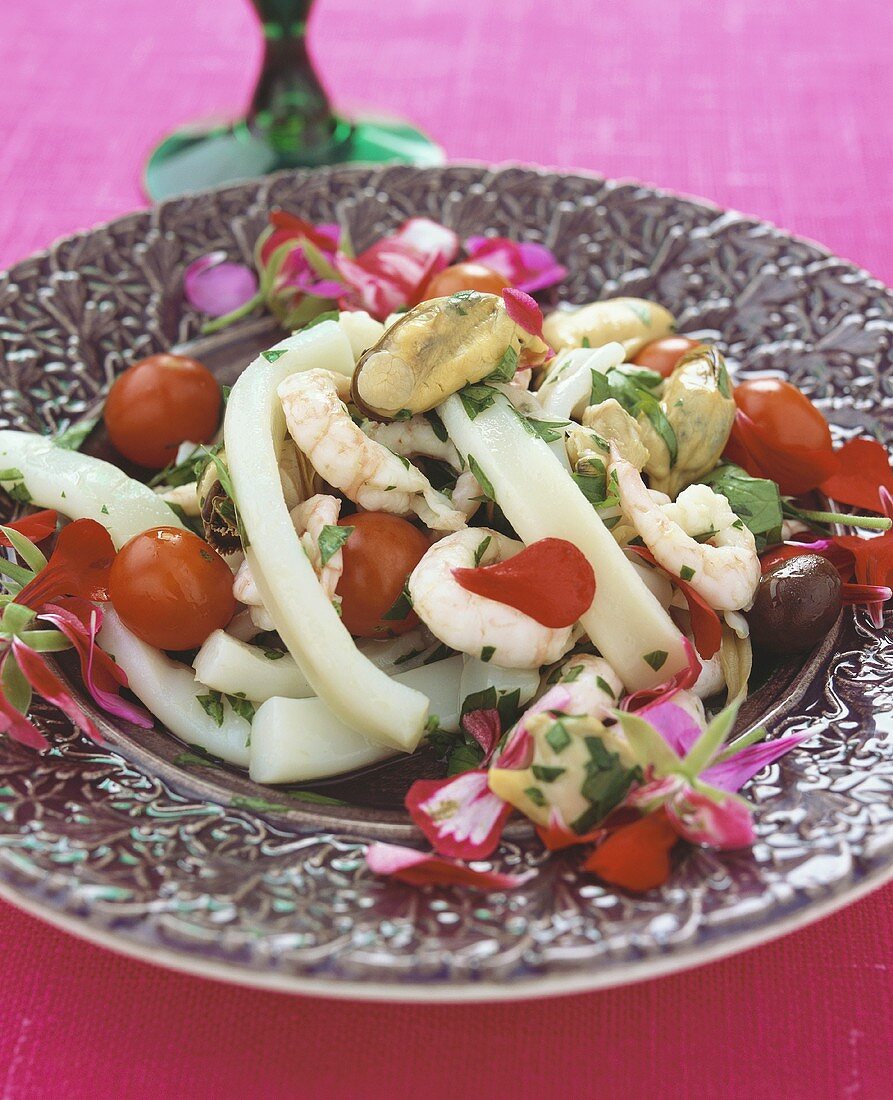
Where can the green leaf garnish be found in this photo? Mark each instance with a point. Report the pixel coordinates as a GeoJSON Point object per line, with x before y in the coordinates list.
{"type": "Point", "coordinates": [400, 608]}
{"type": "Point", "coordinates": [557, 737]}
{"type": "Point", "coordinates": [72, 438]}
{"type": "Point", "coordinates": [506, 367]}
{"type": "Point", "coordinates": [481, 478]}
{"type": "Point", "coordinates": [476, 398]}
{"type": "Point", "coordinates": [331, 539]}
{"type": "Point", "coordinates": [656, 658]}
{"type": "Point", "coordinates": [755, 500]}
{"type": "Point", "coordinates": [212, 705]}
{"type": "Point", "coordinates": [482, 549]}
{"type": "Point", "coordinates": [487, 653]}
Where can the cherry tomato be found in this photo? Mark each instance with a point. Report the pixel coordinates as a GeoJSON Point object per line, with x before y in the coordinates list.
{"type": "Point", "coordinates": [786, 416]}
{"type": "Point", "coordinates": [663, 355]}
{"type": "Point", "coordinates": [170, 588]}
{"type": "Point", "coordinates": [467, 276]}
{"type": "Point", "coordinates": [378, 557]}
{"type": "Point", "coordinates": [159, 403]}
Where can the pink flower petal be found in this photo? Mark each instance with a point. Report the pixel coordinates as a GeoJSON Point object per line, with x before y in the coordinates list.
{"type": "Point", "coordinates": [485, 726]}
{"type": "Point", "coordinates": [51, 688]}
{"type": "Point", "coordinates": [422, 869]}
{"type": "Point", "coordinates": [430, 238]}
{"type": "Point", "coordinates": [524, 311]}
{"type": "Point", "coordinates": [697, 818]}
{"type": "Point", "coordinates": [102, 677]}
{"type": "Point", "coordinates": [676, 726]}
{"type": "Point", "coordinates": [732, 774]}
{"type": "Point", "coordinates": [527, 266]}
{"type": "Point", "coordinates": [460, 816]}
{"type": "Point", "coordinates": [216, 286]}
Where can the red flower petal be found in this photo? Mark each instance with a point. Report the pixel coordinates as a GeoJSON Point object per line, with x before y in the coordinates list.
{"type": "Point", "coordinates": [556, 835]}
{"type": "Point", "coordinates": [797, 470]}
{"type": "Point", "coordinates": [460, 816]}
{"type": "Point", "coordinates": [485, 726]}
{"type": "Point", "coordinates": [705, 623]}
{"type": "Point", "coordinates": [864, 468]}
{"type": "Point", "coordinates": [550, 580]}
{"type": "Point", "coordinates": [524, 311]}
{"type": "Point", "coordinates": [79, 566]}
{"type": "Point", "coordinates": [51, 688]}
{"type": "Point", "coordinates": [102, 677]}
{"type": "Point", "coordinates": [422, 869]}
{"type": "Point", "coordinates": [36, 527]}
{"type": "Point", "coordinates": [636, 857]}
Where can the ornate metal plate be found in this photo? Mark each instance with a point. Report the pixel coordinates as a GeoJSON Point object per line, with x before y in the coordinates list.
{"type": "Point", "coordinates": [200, 869]}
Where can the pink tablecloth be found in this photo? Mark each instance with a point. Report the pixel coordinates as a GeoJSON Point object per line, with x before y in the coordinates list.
{"type": "Point", "coordinates": [779, 109]}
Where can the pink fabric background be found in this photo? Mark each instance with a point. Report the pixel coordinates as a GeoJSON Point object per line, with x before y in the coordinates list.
{"type": "Point", "coordinates": [779, 109]}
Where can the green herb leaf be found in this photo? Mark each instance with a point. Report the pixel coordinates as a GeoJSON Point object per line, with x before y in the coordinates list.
{"type": "Point", "coordinates": [571, 675]}
{"type": "Point", "coordinates": [400, 608]}
{"type": "Point", "coordinates": [326, 315]}
{"type": "Point", "coordinates": [536, 796]}
{"type": "Point", "coordinates": [273, 354]}
{"type": "Point", "coordinates": [72, 438]}
{"type": "Point", "coordinates": [212, 705]}
{"type": "Point", "coordinates": [481, 478]}
{"type": "Point", "coordinates": [182, 473]}
{"type": "Point", "coordinates": [506, 367]}
{"type": "Point", "coordinates": [605, 686]}
{"type": "Point", "coordinates": [600, 390]}
{"type": "Point", "coordinates": [755, 500]}
{"type": "Point", "coordinates": [437, 426]}
{"type": "Point", "coordinates": [331, 539]}
{"type": "Point", "coordinates": [557, 737]}
{"type": "Point", "coordinates": [243, 707]}
{"type": "Point", "coordinates": [482, 549]}
{"type": "Point", "coordinates": [546, 775]}
{"type": "Point", "coordinates": [686, 573]}
{"type": "Point", "coordinates": [475, 399]}
{"type": "Point", "coordinates": [656, 658]}
{"type": "Point", "coordinates": [274, 654]}
{"type": "Point", "coordinates": [487, 652]}
{"type": "Point", "coordinates": [631, 387]}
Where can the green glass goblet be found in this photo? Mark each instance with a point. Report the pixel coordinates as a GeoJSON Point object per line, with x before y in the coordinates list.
{"type": "Point", "coordinates": [290, 122]}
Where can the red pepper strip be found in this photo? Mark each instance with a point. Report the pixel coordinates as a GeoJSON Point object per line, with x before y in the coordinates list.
{"type": "Point", "coordinates": [636, 857]}
{"type": "Point", "coordinates": [79, 566]}
{"type": "Point", "coordinates": [797, 470]}
{"type": "Point", "coordinates": [556, 835]}
{"type": "Point", "coordinates": [36, 527]}
{"type": "Point", "coordinates": [705, 624]}
{"type": "Point", "coordinates": [550, 580]}
{"type": "Point", "coordinates": [864, 468]}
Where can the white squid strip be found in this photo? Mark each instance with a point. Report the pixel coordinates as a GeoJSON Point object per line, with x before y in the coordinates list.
{"type": "Point", "coordinates": [625, 621]}
{"type": "Point", "coordinates": [170, 692]}
{"type": "Point", "coordinates": [230, 665]}
{"type": "Point", "coordinates": [569, 394]}
{"type": "Point", "coordinates": [478, 675]}
{"type": "Point", "coordinates": [82, 487]}
{"type": "Point", "coordinates": [297, 740]}
{"type": "Point", "coordinates": [360, 695]}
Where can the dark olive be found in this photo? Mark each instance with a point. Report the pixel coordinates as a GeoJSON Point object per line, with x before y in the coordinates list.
{"type": "Point", "coordinates": [797, 603]}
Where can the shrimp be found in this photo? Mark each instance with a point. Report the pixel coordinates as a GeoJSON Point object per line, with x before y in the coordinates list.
{"type": "Point", "coordinates": [725, 570]}
{"type": "Point", "coordinates": [594, 687]}
{"type": "Point", "coordinates": [309, 519]}
{"type": "Point", "coordinates": [467, 493]}
{"type": "Point", "coordinates": [365, 471]}
{"type": "Point", "coordinates": [474, 624]}
{"type": "Point", "coordinates": [415, 436]}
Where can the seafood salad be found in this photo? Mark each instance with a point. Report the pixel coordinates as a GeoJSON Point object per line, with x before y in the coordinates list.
{"type": "Point", "coordinates": [549, 546]}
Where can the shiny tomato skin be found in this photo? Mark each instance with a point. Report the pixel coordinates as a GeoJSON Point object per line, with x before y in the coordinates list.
{"type": "Point", "coordinates": [171, 589]}
{"type": "Point", "coordinates": [159, 403]}
{"type": "Point", "coordinates": [378, 557]}
{"type": "Point", "coordinates": [464, 276]}
{"type": "Point", "coordinates": [663, 355]}
{"type": "Point", "coordinates": [786, 416]}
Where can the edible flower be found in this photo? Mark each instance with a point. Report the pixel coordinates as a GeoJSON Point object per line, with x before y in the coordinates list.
{"type": "Point", "coordinates": [47, 607]}
{"type": "Point", "coordinates": [217, 286]}
{"type": "Point", "coordinates": [424, 869]}
{"type": "Point", "coordinates": [526, 265]}
{"type": "Point", "coordinates": [524, 311]}
{"type": "Point", "coordinates": [863, 471]}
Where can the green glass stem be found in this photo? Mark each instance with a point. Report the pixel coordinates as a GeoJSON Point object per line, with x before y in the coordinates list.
{"type": "Point", "coordinates": [290, 122]}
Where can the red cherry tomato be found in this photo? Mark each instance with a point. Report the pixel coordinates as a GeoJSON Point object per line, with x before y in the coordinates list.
{"type": "Point", "coordinates": [466, 276]}
{"type": "Point", "coordinates": [786, 416]}
{"type": "Point", "coordinates": [379, 555]}
{"type": "Point", "coordinates": [159, 403]}
{"type": "Point", "coordinates": [663, 355]}
{"type": "Point", "coordinates": [170, 588]}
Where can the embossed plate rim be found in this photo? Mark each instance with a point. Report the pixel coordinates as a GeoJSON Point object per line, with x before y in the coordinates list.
{"type": "Point", "coordinates": [711, 940]}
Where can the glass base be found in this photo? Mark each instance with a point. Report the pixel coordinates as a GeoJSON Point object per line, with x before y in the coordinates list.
{"type": "Point", "coordinates": [205, 156]}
